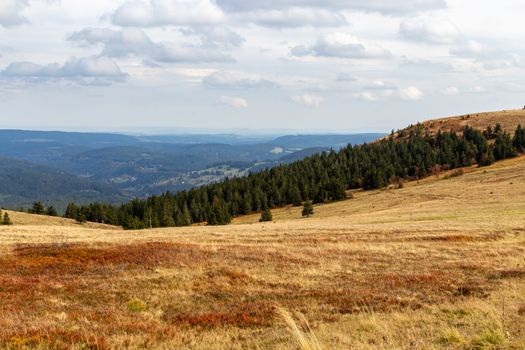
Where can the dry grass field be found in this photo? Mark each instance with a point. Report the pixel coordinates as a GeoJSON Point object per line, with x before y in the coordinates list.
{"type": "Point", "coordinates": [438, 264]}
{"type": "Point", "coordinates": [509, 120]}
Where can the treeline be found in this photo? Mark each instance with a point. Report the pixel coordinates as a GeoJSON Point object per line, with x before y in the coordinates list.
{"type": "Point", "coordinates": [39, 208]}
{"type": "Point", "coordinates": [319, 178]}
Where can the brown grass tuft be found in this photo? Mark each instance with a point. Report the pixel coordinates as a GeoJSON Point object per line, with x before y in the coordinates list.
{"type": "Point", "coordinates": [303, 336]}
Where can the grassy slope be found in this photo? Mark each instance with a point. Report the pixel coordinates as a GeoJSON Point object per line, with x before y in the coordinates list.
{"type": "Point", "coordinates": [509, 120]}
{"type": "Point", "coordinates": [439, 264]}
{"type": "Point", "coordinates": [25, 219]}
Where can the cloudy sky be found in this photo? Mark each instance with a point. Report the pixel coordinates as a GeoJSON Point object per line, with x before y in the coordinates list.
{"type": "Point", "coordinates": [316, 65]}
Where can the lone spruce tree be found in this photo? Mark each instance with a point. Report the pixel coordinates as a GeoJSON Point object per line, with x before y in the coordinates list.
{"type": "Point", "coordinates": [7, 220]}
{"type": "Point", "coordinates": [266, 215]}
{"type": "Point", "coordinates": [308, 209]}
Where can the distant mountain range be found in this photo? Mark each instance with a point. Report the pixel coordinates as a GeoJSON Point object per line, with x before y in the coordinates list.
{"type": "Point", "coordinates": [58, 167]}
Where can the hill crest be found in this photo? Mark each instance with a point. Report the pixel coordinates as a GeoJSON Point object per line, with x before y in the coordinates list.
{"type": "Point", "coordinates": [508, 119]}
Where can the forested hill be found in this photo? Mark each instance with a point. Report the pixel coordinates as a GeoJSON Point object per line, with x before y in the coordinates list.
{"type": "Point", "coordinates": [21, 182]}
{"type": "Point", "coordinates": [320, 178]}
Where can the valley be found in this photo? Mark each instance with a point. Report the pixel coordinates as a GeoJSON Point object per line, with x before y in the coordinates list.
{"type": "Point", "coordinates": [112, 168]}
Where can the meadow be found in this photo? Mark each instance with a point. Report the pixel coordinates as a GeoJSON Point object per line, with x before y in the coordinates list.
{"type": "Point", "coordinates": [436, 264]}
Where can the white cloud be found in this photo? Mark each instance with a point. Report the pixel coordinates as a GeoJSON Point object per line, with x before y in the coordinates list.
{"type": "Point", "coordinates": [387, 7]}
{"type": "Point", "coordinates": [237, 80]}
{"type": "Point", "coordinates": [10, 12]}
{"type": "Point", "coordinates": [410, 93]}
{"type": "Point", "coordinates": [345, 77]}
{"type": "Point", "coordinates": [293, 17]}
{"type": "Point", "coordinates": [96, 70]}
{"type": "Point", "coordinates": [308, 100]}
{"type": "Point", "coordinates": [155, 13]}
{"type": "Point", "coordinates": [424, 66]}
{"type": "Point", "coordinates": [194, 73]}
{"type": "Point", "coordinates": [430, 30]}
{"type": "Point", "coordinates": [235, 102]}
{"type": "Point", "coordinates": [478, 89]}
{"type": "Point", "coordinates": [470, 48]}
{"type": "Point", "coordinates": [381, 85]}
{"type": "Point", "coordinates": [115, 43]}
{"type": "Point", "coordinates": [450, 91]}
{"type": "Point", "coordinates": [216, 36]}
{"type": "Point", "coordinates": [131, 41]}
{"type": "Point", "coordinates": [340, 45]}
{"type": "Point", "coordinates": [367, 96]}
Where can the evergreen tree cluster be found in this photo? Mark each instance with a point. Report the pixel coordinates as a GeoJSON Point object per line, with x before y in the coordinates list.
{"type": "Point", "coordinates": [38, 208]}
{"type": "Point", "coordinates": [319, 178]}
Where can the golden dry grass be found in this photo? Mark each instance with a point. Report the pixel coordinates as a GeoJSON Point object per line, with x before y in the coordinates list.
{"type": "Point", "coordinates": [438, 264]}
{"type": "Point", "coordinates": [509, 120]}
{"type": "Point", "coordinates": [25, 219]}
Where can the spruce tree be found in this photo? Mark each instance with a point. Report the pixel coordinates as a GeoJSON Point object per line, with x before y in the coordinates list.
{"type": "Point", "coordinates": [71, 211]}
{"type": "Point", "coordinates": [308, 209]}
{"type": "Point", "coordinates": [519, 139]}
{"type": "Point", "coordinates": [266, 215]}
{"type": "Point", "coordinates": [7, 220]}
{"type": "Point", "coordinates": [81, 217]}
{"type": "Point", "coordinates": [186, 216]}
{"type": "Point", "coordinates": [38, 208]}
{"type": "Point", "coordinates": [51, 211]}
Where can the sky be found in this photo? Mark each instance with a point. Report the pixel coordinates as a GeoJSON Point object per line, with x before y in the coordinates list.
{"type": "Point", "coordinates": [305, 65]}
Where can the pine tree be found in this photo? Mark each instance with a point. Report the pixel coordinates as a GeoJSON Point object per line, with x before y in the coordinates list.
{"type": "Point", "coordinates": [71, 211]}
{"type": "Point", "coordinates": [498, 130]}
{"type": "Point", "coordinates": [81, 217]}
{"type": "Point", "coordinates": [487, 158]}
{"type": "Point", "coordinates": [295, 195]}
{"type": "Point", "coordinates": [308, 209]}
{"type": "Point", "coordinates": [38, 208]}
{"type": "Point", "coordinates": [519, 139]}
{"type": "Point", "coordinates": [266, 215]}
{"type": "Point", "coordinates": [51, 211]}
{"type": "Point", "coordinates": [186, 216]}
{"type": "Point", "coordinates": [503, 147]}
{"type": "Point", "coordinates": [6, 220]}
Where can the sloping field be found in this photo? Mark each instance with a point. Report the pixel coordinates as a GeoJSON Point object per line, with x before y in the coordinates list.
{"type": "Point", "coordinates": [438, 264]}
{"type": "Point", "coordinates": [25, 219]}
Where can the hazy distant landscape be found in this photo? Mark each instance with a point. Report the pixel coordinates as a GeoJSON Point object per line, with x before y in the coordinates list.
{"type": "Point", "coordinates": [60, 167]}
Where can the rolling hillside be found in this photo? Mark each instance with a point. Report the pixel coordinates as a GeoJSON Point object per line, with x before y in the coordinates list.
{"type": "Point", "coordinates": [59, 223]}
{"type": "Point", "coordinates": [438, 264]}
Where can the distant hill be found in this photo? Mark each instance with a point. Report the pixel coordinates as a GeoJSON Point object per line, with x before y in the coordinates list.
{"type": "Point", "coordinates": [307, 152]}
{"type": "Point", "coordinates": [59, 167]}
{"type": "Point", "coordinates": [22, 183]}
{"type": "Point", "coordinates": [327, 141]}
